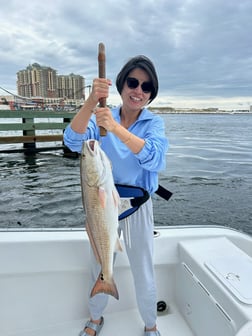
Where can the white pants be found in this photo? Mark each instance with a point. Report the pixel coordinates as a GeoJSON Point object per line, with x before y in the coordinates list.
{"type": "Point", "coordinates": [138, 236]}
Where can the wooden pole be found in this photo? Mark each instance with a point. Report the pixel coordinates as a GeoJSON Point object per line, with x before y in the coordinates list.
{"type": "Point", "coordinates": [29, 146]}
{"type": "Point", "coordinates": [102, 74]}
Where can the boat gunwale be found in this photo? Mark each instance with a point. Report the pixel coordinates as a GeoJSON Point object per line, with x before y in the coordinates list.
{"type": "Point", "coordinates": [156, 228]}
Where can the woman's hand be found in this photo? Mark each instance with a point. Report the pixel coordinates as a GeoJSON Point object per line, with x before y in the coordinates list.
{"type": "Point", "coordinates": [104, 118]}
{"type": "Point", "coordinates": [100, 89]}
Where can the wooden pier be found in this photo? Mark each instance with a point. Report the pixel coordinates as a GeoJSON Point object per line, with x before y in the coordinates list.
{"type": "Point", "coordinates": [33, 127]}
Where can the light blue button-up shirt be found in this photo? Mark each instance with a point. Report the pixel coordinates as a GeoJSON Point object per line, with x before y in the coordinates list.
{"type": "Point", "coordinates": [139, 169]}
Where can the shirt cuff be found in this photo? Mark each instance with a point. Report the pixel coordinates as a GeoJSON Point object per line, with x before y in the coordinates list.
{"type": "Point", "coordinates": [69, 132]}
{"type": "Point", "coordinates": [144, 152]}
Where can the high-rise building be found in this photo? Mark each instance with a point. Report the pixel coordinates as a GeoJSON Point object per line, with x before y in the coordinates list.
{"type": "Point", "coordinates": [43, 81]}
{"type": "Point", "coordinates": [37, 81]}
{"type": "Point", "coordinates": [70, 86]}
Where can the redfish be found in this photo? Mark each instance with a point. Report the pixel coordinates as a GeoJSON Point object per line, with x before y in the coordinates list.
{"type": "Point", "coordinates": [101, 203]}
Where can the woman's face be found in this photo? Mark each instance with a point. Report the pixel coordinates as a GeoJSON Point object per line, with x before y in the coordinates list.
{"type": "Point", "coordinates": [134, 98]}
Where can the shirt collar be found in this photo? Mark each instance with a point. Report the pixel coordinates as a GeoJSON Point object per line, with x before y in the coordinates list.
{"type": "Point", "coordinates": [144, 115]}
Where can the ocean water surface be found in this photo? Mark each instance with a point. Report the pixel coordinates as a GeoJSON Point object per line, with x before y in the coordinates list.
{"type": "Point", "coordinates": [209, 171]}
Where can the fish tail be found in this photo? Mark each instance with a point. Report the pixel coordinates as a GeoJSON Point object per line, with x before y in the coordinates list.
{"type": "Point", "coordinates": [104, 286]}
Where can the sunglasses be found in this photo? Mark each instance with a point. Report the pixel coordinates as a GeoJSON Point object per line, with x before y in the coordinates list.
{"type": "Point", "coordinates": [133, 83]}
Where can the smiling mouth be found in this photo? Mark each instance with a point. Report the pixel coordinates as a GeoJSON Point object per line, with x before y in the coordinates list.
{"type": "Point", "coordinates": [136, 99]}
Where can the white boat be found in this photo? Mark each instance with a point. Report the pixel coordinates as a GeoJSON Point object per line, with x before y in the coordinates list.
{"type": "Point", "coordinates": [203, 277]}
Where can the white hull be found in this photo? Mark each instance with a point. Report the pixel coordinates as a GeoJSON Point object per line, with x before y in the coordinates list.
{"type": "Point", "coordinates": [203, 274]}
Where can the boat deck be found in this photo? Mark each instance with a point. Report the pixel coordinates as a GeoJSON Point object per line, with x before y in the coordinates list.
{"type": "Point", "coordinates": [203, 275]}
{"type": "Point", "coordinates": [129, 322]}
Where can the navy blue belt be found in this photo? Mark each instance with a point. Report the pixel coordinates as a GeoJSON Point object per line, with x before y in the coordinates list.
{"type": "Point", "coordinates": [138, 196]}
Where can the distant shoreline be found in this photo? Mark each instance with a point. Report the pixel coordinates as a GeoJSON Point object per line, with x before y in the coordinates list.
{"type": "Point", "coordinates": [167, 110]}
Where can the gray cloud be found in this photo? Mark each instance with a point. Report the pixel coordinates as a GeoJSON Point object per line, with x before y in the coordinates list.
{"type": "Point", "coordinates": [201, 49]}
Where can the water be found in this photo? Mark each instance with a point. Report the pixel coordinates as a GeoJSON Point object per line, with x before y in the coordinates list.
{"type": "Point", "coordinates": [209, 171]}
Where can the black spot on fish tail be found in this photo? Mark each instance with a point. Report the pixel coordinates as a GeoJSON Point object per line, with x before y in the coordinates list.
{"type": "Point", "coordinates": [106, 287]}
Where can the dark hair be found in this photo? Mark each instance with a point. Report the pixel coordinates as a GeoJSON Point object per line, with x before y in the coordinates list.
{"type": "Point", "coordinates": [143, 63]}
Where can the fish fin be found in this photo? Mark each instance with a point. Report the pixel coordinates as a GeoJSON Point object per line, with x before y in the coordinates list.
{"type": "Point", "coordinates": [118, 246]}
{"type": "Point", "coordinates": [116, 197]}
{"type": "Point", "coordinates": [102, 197]}
{"type": "Point", "coordinates": [103, 286]}
{"type": "Point", "coordinates": [92, 242]}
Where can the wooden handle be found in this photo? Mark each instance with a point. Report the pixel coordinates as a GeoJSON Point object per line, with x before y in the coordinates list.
{"type": "Point", "coordinates": [102, 74]}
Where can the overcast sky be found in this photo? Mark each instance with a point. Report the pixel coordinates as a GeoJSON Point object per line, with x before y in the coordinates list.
{"type": "Point", "coordinates": [202, 49]}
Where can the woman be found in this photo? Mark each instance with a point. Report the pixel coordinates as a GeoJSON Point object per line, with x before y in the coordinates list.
{"type": "Point", "coordinates": [136, 144]}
